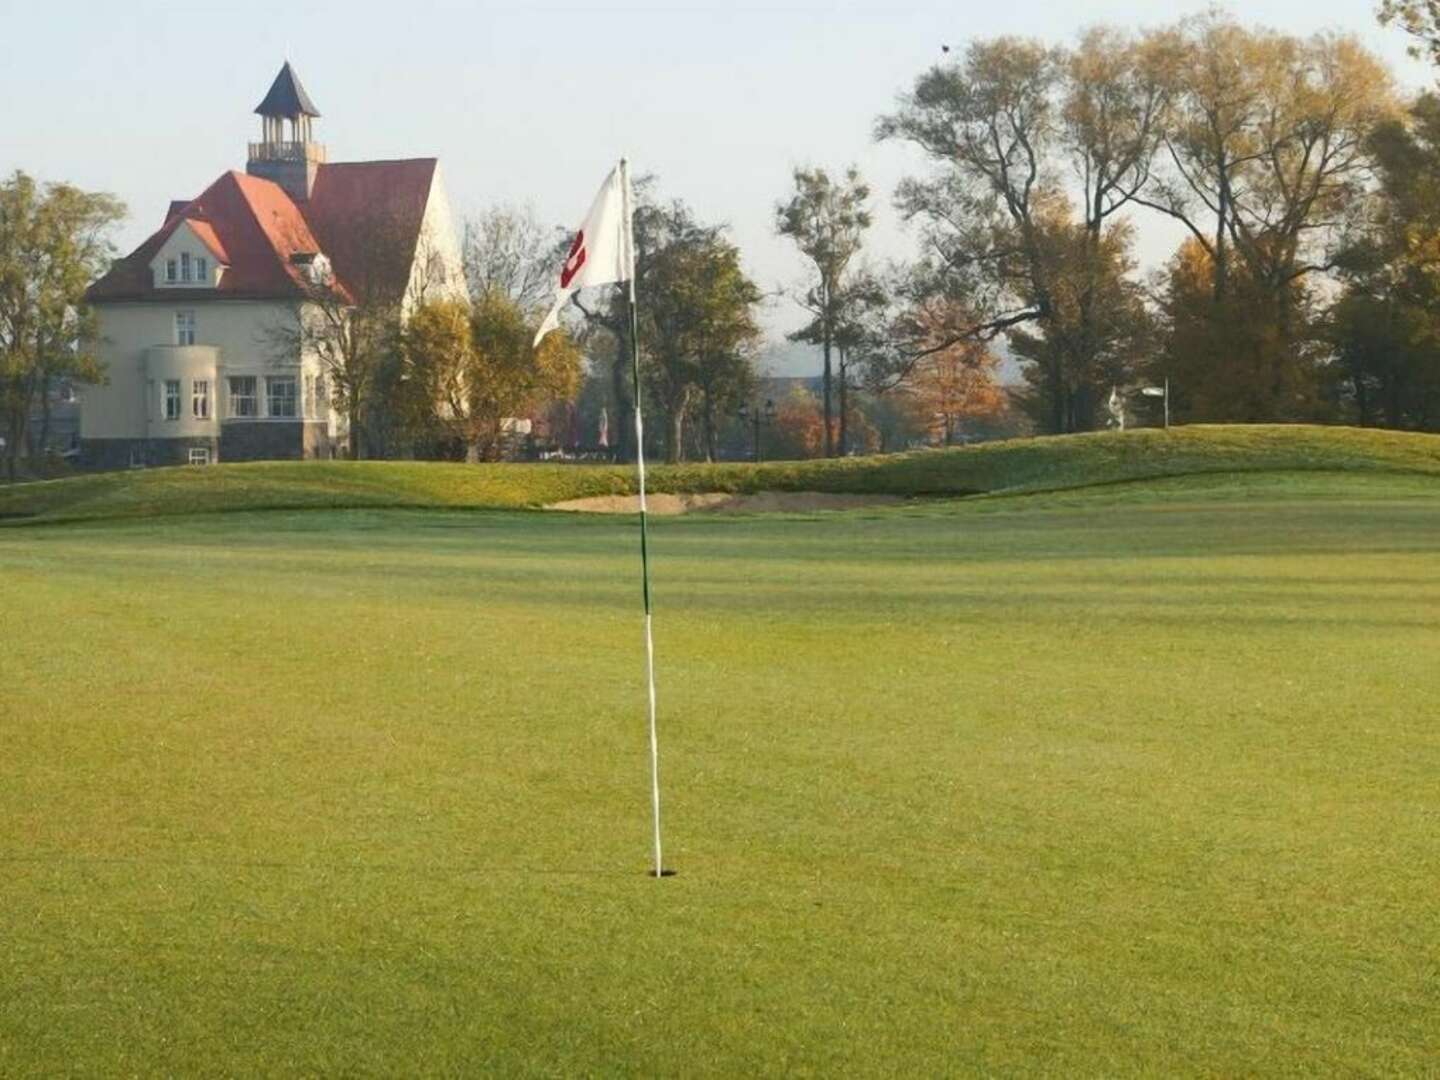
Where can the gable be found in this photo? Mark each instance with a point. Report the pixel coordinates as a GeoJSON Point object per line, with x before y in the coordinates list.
{"type": "Point", "coordinates": [191, 257]}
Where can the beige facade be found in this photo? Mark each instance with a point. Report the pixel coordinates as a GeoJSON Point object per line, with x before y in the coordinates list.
{"type": "Point", "coordinates": [205, 348]}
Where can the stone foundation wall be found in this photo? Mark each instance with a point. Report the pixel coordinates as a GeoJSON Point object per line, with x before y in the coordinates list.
{"type": "Point", "coordinates": [273, 440]}
{"type": "Point", "coordinates": [103, 455]}
{"type": "Point", "coordinates": [266, 441]}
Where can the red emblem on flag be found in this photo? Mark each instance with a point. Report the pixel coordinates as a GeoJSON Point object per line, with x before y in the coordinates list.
{"type": "Point", "coordinates": [574, 261]}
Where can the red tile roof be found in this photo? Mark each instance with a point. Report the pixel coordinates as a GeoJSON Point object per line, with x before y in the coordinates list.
{"type": "Point", "coordinates": [355, 210]}
{"type": "Point", "coordinates": [206, 232]}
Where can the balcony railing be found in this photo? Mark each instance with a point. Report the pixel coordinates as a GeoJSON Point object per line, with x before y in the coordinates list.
{"type": "Point", "coordinates": [287, 151]}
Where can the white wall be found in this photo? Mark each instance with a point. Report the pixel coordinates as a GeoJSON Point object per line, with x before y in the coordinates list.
{"type": "Point", "coordinates": [438, 244]}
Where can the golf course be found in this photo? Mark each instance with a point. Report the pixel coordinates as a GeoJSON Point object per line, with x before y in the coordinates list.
{"type": "Point", "coordinates": [1111, 754]}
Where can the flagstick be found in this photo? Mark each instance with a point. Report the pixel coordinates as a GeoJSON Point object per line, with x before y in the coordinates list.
{"type": "Point", "coordinates": [659, 870]}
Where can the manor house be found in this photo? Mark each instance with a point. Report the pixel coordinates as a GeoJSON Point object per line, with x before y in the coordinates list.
{"type": "Point", "coordinates": [200, 326]}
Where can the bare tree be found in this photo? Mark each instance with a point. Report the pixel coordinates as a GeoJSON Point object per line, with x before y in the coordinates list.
{"type": "Point", "coordinates": [507, 250]}
{"type": "Point", "coordinates": [352, 325]}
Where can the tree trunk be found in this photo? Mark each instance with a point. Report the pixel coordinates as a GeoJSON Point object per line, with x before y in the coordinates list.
{"type": "Point", "coordinates": [623, 439]}
{"type": "Point", "coordinates": [844, 409]}
{"type": "Point", "coordinates": [1222, 257]}
{"type": "Point", "coordinates": [45, 387]}
{"type": "Point", "coordinates": [674, 434]}
{"type": "Point", "coordinates": [352, 436]}
{"type": "Point", "coordinates": [825, 383]}
{"type": "Point", "coordinates": [1057, 399]}
{"type": "Point", "coordinates": [708, 424]}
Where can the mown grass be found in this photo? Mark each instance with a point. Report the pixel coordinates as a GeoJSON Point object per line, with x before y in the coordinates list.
{"type": "Point", "coordinates": [1138, 780]}
{"type": "Point", "coordinates": [1022, 465]}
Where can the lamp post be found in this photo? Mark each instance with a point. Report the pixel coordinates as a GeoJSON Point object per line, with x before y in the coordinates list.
{"type": "Point", "coordinates": [755, 417]}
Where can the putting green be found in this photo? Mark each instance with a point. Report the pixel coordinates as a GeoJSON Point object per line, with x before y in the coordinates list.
{"type": "Point", "coordinates": [1130, 781]}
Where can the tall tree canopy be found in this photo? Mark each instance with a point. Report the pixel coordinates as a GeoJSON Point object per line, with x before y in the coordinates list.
{"type": "Point", "coordinates": [53, 243]}
{"type": "Point", "coordinates": [472, 368]}
{"type": "Point", "coordinates": [1036, 151]}
{"type": "Point", "coordinates": [826, 218]}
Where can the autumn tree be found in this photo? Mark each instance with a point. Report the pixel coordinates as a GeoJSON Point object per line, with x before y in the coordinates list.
{"type": "Point", "coordinates": [826, 219]}
{"type": "Point", "coordinates": [798, 429]}
{"type": "Point", "coordinates": [1385, 328]}
{"type": "Point", "coordinates": [470, 369]}
{"type": "Point", "coordinates": [955, 381]}
{"type": "Point", "coordinates": [53, 243]}
{"type": "Point", "coordinates": [1006, 236]}
{"type": "Point", "coordinates": [1243, 367]}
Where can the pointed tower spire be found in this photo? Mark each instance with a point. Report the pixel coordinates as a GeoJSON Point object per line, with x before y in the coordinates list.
{"type": "Point", "coordinates": [289, 158]}
{"type": "Point", "coordinates": [287, 99]}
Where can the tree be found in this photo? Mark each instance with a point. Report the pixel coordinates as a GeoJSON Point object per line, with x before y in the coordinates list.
{"type": "Point", "coordinates": [354, 328]}
{"type": "Point", "coordinates": [1242, 367]}
{"type": "Point", "coordinates": [697, 328]}
{"type": "Point", "coordinates": [470, 370]}
{"type": "Point", "coordinates": [827, 220]}
{"type": "Point", "coordinates": [957, 380]}
{"type": "Point", "coordinates": [507, 250]}
{"type": "Point", "coordinates": [1269, 168]}
{"type": "Point", "coordinates": [1418, 18]}
{"type": "Point", "coordinates": [1385, 329]}
{"type": "Point", "coordinates": [798, 430]}
{"type": "Point", "coordinates": [1004, 236]}
{"type": "Point", "coordinates": [53, 243]}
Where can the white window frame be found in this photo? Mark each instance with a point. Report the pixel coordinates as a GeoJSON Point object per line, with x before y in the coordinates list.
{"type": "Point", "coordinates": [271, 383]}
{"type": "Point", "coordinates": [200, 398]}
{"type": "Point", "coordinates": [253, 397]}
{"type": "Point", "coordinates": [184, 328]}
{"type": "Point", "coordinates": [170, 400]}
{"type": "Point", "coordinates": [199, 455]}
{"type": "Point", "coordinates": [172, 274]}
{"type": "Point", "coordinates": [187, 271]}
{"type": "Point", "coordinates": [202, 270]}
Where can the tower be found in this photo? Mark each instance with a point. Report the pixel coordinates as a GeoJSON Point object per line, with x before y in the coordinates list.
{"type": "Point", "coordinates": [290, 162]}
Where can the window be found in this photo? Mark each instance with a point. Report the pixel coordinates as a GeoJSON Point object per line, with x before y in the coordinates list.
{"type": "Point", "coordinates": [280, 395]}
{"type": "Point", "coordinates": [185, 272]}
{"type": "Point", "coordinates": [200, 399]}
{"type": "Point", "coordinates": [244, 397]}
{"type": "Point", "coordinates": [170, 273]}
{"type": "Point", "coordinates": [172, 399]}
{"type": "Point", "coordinates": [202, 271]}
{"type": "Point", "coordinates": [185, 328]}
{"type": "Point", "coordinates": [199, 455]}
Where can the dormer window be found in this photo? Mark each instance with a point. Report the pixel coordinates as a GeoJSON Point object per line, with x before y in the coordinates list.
{"type": "Point", "coordinates": [202, 270]}
{"type": "Point", "coordinates": [185, 270]}
{"type": "Point", "coordinates": [171, 273]}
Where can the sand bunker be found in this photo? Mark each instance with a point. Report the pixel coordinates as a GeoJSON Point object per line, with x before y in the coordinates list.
{"type": "Point", "coordinates": [719, 502]}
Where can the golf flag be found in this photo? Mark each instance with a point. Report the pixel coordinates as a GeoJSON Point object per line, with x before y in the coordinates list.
{"type": "Point", "coordinates": [600, 252]}
{"type": "Point", "coordinates": [603, 253]}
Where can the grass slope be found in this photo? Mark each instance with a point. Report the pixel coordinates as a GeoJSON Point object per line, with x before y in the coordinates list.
{"type": "Point", "coordinates": [1016, 466]}
{"type": "Point", "coordinates": [1137, 780]}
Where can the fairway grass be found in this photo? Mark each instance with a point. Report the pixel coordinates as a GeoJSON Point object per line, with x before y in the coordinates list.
{"type": "Point", "coordinates": [1134, 780]}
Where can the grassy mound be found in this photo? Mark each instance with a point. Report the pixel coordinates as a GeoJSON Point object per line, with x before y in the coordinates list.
{"type": "Point", "coordinates": [1020, 465]}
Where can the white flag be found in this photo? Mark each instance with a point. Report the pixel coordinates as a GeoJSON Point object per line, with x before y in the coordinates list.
{"type": "Point", "coordinates": [600, 252]}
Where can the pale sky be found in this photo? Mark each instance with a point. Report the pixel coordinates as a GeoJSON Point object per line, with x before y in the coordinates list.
{"type": "Point", "coordinates": [532, 102]}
